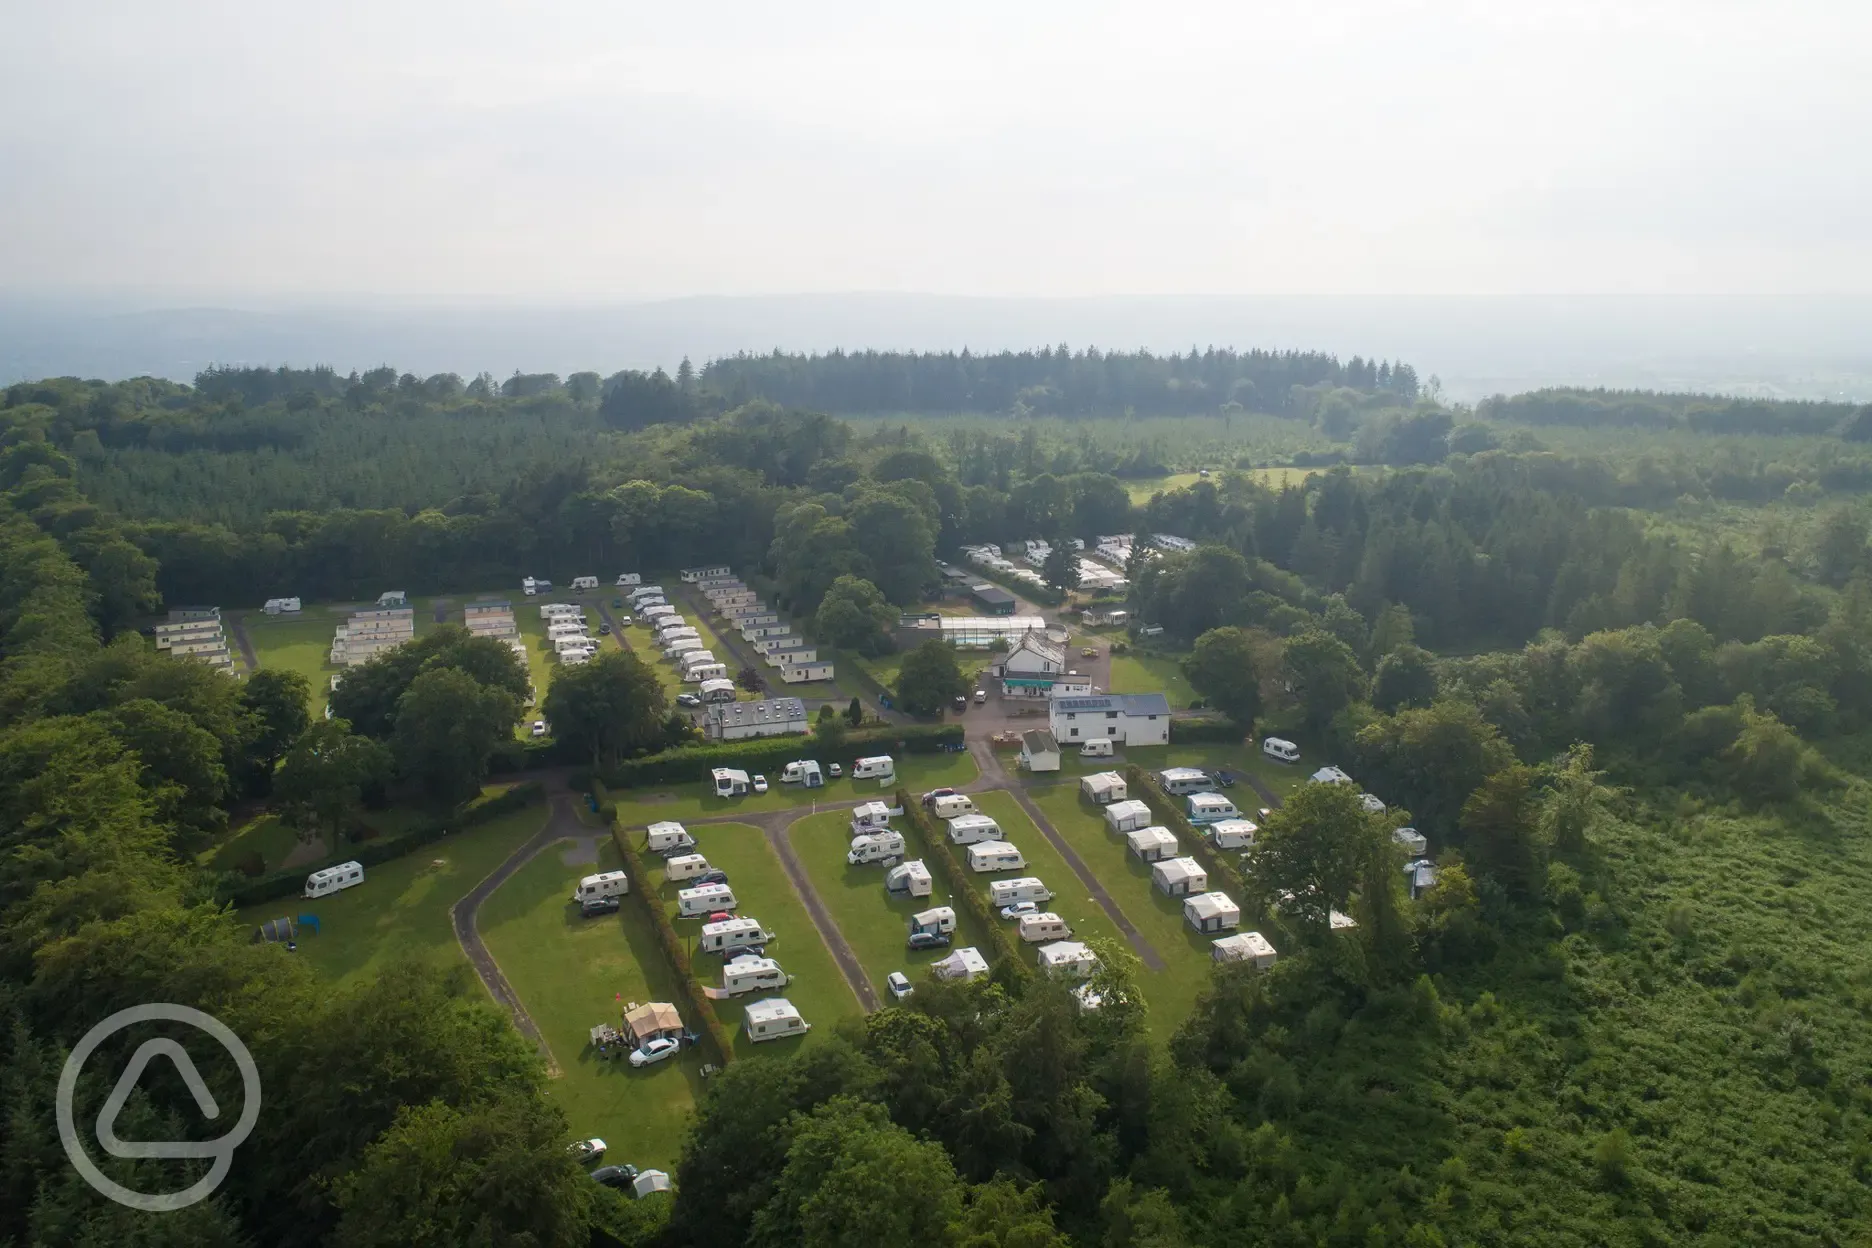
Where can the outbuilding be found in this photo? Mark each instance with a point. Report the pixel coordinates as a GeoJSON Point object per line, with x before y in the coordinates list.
{"type": "Point", "coordinates": [1127, 816]}
{"type": "Point", "coordinates": [1039, 750]}
{"type": "Point", "coordinates": [1104, 787]}
{"type": "Point", "coordinates": [1152, 844]}
{"type": "Point", "coordinates": [1180, 877]}
{"type": "Point", "coordinates": [1212, 912]}
{"type": "Point", "coordinates": [1250, 947]}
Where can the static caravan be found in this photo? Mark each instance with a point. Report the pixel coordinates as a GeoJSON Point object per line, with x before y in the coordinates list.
{"type": "Point", "coordinates": [766, 628]}
{"type": "Point", "coordinates": [877, 767]}
{"type": "Point", "coordinates": [973, 829]}
{"type": "Point", "coordinates": [1128, 816]}
{"type": "Point", "coordinates": [729, 782]}
{"type": "Point", "coordinates": [1250, 947]}
{"type": "Point", "coordinates": [743, 610]}
{"type": "Point", "coordinates": [801, 673]}
{"type": "Point", "coordinates": [1212, 912]}
{"type": "Point", "coordinates": [584, 582]}
{"type": "Point", "coordinates": [1280, 751]}
{"type": "Point", "coordinates": [715, 584]}
{"type": "Point", "coordinates": [963, 964]}
{"type": "Point", "coordinates": [953, 806]}
{"type": "Point", "coordinates": [994, 856]}
{"type": "Point", "coordinates": [909, 879]}
{"type": "Point", "coordinates": [1104, 787]}
{"type": "Point", "coordinates": [1233, 833]}
{"type": "Point", "coordinates": [795, 651]}
{"type": "Point", "coordinates": [692, 576]}
{"type": "Point", "coordinates": [627, 579]}
{"type": "Point", "coordinates": [606, 884]}
{"type": "Point", "coordinates": [1180, 877]}
{"type": "Point", "coordinates": [774, 1018]}
{"type": "Point", "coordinates": [883, 846]}
{"type": "Point", "coordinates": [729, 936]}
{"type": "Point", "coordinates": [668, 837]}
{"type": "Point", "coordinates": [1069, 959]}
{"type": "Point", "coordinates": [1211, 808]}
{"type": "Point", "coordinates": [747, 973]}
{"type": "Point", "coordinates": [717, 688]}
{"type": "Point", "coordinates": [869, 817]}
{"type": "Point", "coordinates": [333, 879]}
{"type": "Point", "coordinates": [940, 919]}
{"type": "Point", "coordinates": [1152, 844]}
{"type": "Point", "coordinates": [1013, 892]}
{"type": "Point", "coordinates": [781, 641]}
{"type": "Point", "coordinates": [710, 673]}
{"type": "Point", "coordinates": [693, 903]}
{"type": "Point", "coordinates": [1182, 781]}
{"type": "Point", "coordinates": [685, 867]}
{"type": "Point", "coordinates": [1034, 928]}
{"type": "Point", "coordinates": [726, 598]}
{"type": "Point", "coordinates": [1414, 842]}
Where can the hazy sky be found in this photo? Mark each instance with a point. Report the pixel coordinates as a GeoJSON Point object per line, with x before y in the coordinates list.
{"type": "Point", "coordinates": [606, 150]}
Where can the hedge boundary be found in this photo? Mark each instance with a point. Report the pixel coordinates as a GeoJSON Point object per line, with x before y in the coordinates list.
{"type": "Point", "coordinates": [692, 762]}
{"type": "Point", "coordinates": [1143, 784]}
{"type": "Point", "coordinates": [699, 1004]}
{"type": "Point", "coordinates": [936, 851]}
{"type": "Point", "coordinates": [279, 884]}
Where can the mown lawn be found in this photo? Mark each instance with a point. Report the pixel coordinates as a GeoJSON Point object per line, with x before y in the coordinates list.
{"type": "Point", "coordinates": [573, 973]}
{"type": "Point", "coordinates": [1138, 672]}
{"type": "Point", "coordinates": [696, 800]}
{"type": "Point", "coordinates": [762, 891]}
{"type": "Point", "coordinates": [874, 924]}
{"type": "Point", "coordinates": [266, 834]}
{"type": "Point", "coordinates": [401, 910]}
{"type": "Point", "coordinates": [302, 644]}
{"type": "Point", "coordinates": [1141, 491]}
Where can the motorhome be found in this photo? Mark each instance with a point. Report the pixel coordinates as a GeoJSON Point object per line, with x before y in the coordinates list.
{"type": "Point", "coordinates": [1124, 817]}
{"type": "Point", "coordinates": [529, 586]}
{"type": "Point", "coordinates": [1182, 781]}
{"type": "Point", "coordinates": [717, 688]}
{"type": "Point", "coordinates": [869, 816]}
{"type": "Point", "coordinates": [747, 973]}
{"type": "Point", "coordinates": [1233, 833]}
{"type": "Point", "coordinates": [1211, 808]}
{"type": "Point", "coordinates": [994, 856]}
{"type": "Point", "coordinates": [729, 782]}
{"type": "Point", "coordinates": [939, 919]}
{"type": "Point", "coordinates": [909, 879]}
{"type": "Point", "coordinates": [1097, 747]}
{"type": "Point", "coordinates": [878, 767]}
{"type": "Point", "coordinates": [1104, 787]}
{"type": "Point", "coordinates": [728, 936]}
{"type": "Point", "coordinates": [584, 582]}
{"type": "Point", "coordinates": [970, 829]}
{"type": "Point", "coordinates": [1034, 928]}
{"type": "Point", "coordinates": [693, 903]}
{"type": "Point", "coordinates": [1281, 751]}
{"type": "Point", "coordinates": [685, 867]}
{"type": "Point", "coordinates": [953, 806]}
{"type": "Point", "coordinates": [886, 847]}
{"type": "Point", "coordinates": [774, 1019]}
{"type": "Point", "coordinates": [333, 879]}
{"type": "Point", "coordinates": [668, 837]}
{"type": "Point", "coordinates": [605, 884]}
{"type": "Point", "coordinates": [1013, 892]}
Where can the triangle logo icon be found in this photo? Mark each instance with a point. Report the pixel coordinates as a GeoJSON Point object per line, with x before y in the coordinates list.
{"type": "Point", "coordinates": [178, 1056]}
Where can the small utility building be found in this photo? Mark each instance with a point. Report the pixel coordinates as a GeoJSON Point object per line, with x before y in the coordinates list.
{"type": "Point", "coordinates": [992, 599]}
{"type": "Point", "coordinates": [1039, 750]}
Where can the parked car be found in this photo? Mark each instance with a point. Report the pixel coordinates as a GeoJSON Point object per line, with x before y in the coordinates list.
{"type": "Point", "coordinates": [961, 704]}
{"type": "Point", "coordinates": [981, 696]}
{"type": "Point", "coordinates": [539, 728]}
{"type": "Point", "coordinates": [604, 630]}
{"type": "Point", "coordinates": [653, 1052]}
{"type": "Point", "coordinates": [1020, 908]}
{"type": "Point", "coordinates": [834, 770]}
{"type": "Point", "coordinates": [929, 940]}
{"type": "Point", "coordinates": [615, 1176]}
{"type": "Point", "coordinates": [617, 604]}
{"type": "Point", "coordinates": [899, 985]}
{"type": "Point", "coordinates": [720, 916]}
{"type": "Point", "coordinates": [714, 875]}
{"type": "Point", "coordinates": [1224, 777]}
{"type": "Point", "coordinates": [592, 907]}
{"type": "Point", "coordinates": [929, 798]}
{"type": "Point", "coordinates": [586, 1150]}
{"type": "Point", "coordinates": [760, 784]}
{"type": "Point", "coordinates": [688, 699]}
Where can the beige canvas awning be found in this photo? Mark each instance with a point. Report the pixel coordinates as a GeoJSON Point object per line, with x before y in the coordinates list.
{"type": "Point", "coordinates": [647, 1022]}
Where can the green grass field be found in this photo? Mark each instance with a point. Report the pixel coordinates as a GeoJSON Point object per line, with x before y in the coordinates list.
{"type": "Point", "coordinates": [1141, 491]}
{"type": "Point", "coordinates": [573, 973]}
{"type": "Point", "coordinates": [1088, 919]}
{"type": "Point", "coordinates": [266, 835]}
{"type": "Point", "coordinates": [401, 908]}
{"type": "Point", "coordinates": [915, 772]}
{"type": "Point", "coordinates": [875, 925]}
{"type": "Point", "coordinates": [1151, 673]}
{"type": "Point", "coordinates": [762, 891]}
{"type": "Point", "coordinates": [300, 645]}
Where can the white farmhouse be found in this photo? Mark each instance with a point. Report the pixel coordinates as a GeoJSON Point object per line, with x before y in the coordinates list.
{"type": "Point", "coordinates": [1129, 719]}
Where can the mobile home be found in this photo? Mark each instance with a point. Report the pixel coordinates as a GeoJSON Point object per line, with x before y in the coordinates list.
{"type": "Point", "coordinates": [333, 879]}
{"type": "Point", "coordinates": [1211, 912]}
{"type": "Point", "coordinates": [693, 903]}
{"type": "Point", "coordinates": [994, 856]}
{"type": "Point", "coordinates": [1104, 787]}
{"type": "Point", "coordinates": [1013, 892]}
{"type": "Point", "coordinates": [909, 879]}
{"type": "Point", "coordinates": [801, 673]}
{"type": "Point", "coordinates": [774, 1019]}
{"type": "Point", "coordinates": [1034, 928]}
{"type": "Point", "coordinates": [1211, 808]}
{"type": "Point", "coordinates": [972, 829]}
{"type": "Point", "coordinates": [685, 867]}
{"type": "Point", "coordinates": [729, 782]}
{"type": "Point", "coordinates": [691, 576]}
{"type": "Point", "coordinates": [1250, 947]}
{"type": "Point", "coordinates": [1152, 844]}
{"type": "Point", "coordinates": [668, 837]}
{"type": "Point", "coordinates": [1233, 833]}
{"type": "Point", "coordinates": [1182, 781]}
{"type": "Point", "coordinates": [605, 884]}
{"type": "Point", "coordinates": [877, 767]}
{"type": "Point", "coordinates": [1180, 877]}
{"type": "Point", "coordinates": [728, 936]}
{"type": "Point", "coordinates": [1127, 816]}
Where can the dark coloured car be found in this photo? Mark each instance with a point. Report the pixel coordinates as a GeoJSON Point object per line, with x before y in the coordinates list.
{"type": "Point", "coordinates": [604, 630]}
{"type": "Point", "coordinates": [961, 704]}
{"type": "Point", "coordinates": [592, 907]}
{"type": "Point", "coordinates": [716, 876]}
{"type": "Point", "coordinates": [929, 940]}
{"type": "Point", "coordinates": [1224, 777]}
{"type": "Point", "coordinates": [688, 699]}
{"type": "Point", "coordinates": [615, 1176]}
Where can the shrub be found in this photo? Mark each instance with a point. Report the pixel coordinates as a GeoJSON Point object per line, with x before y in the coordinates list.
{"type": "Point", "coordinates": [700, 1007]}
{"type": "Point", "coordinates": [942, 861]}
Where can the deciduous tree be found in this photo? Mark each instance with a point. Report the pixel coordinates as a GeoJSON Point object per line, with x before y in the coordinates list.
{"type": "Point", "coordinates": [447, 724]}
{"type": "Point", "coordinates": [608, 708]}
{"type": "Point", "coordinates": [1223, 668]}
{"type": "Point", "coordinates": [930, 679]}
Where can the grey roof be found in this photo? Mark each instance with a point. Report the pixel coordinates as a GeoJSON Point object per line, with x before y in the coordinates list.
{"type": "Point", "coordinates": [1129, 703]}
{"type": "Point", "coordinates": [1040, 741]}
{"type": "Point", "coordinates": [771, 710]}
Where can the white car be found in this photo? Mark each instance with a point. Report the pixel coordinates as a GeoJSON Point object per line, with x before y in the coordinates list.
{"type": "Point", "coordinates": [1020, 908]}
{"type": "Point", "coordinates": [899, 985]}
{"type": "Point", "coordinates": [981, 696]}
{"type": "Point", "coordinates": [654, 1052]}
{"type": "Point", "coordinates": [760, 784]}
{"type": "Point", "coordinates": [539, 727]}
{"type": "Point", "coordinates": [587, 1150]}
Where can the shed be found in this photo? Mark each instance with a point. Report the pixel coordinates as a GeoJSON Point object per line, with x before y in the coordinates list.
{"type": "Point", "coordinates": [1212, 912]}
{"type": "Point", "coordinates": [1068, 958]}
{"type": "Point", "coordinates": [993, 600]}
{"type": "Point", "coordinates": [1039, 750]}
{"type": "Point", "coordinates": [1250, 947]}
{"type": "Point", "coordinates": [1104, 787]}
{"type": "Point", "coordinates": [963, 964]}
{"type": "Point", "coordinates": [1180, 877]}
{"type": "Point", "coordinates": [1125, 816]}
{"type": "Point", "coordinates": [1152, 844]}
{"type": "Point", "coordinates": [655, 1021]}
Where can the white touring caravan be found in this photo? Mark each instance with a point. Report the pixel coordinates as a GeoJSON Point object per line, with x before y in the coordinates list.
{"type": "Point", "coordinates": [685, 867]}
{"type": "Point", "coordinates": [682, 646]}
{"type": "Point", "coordinates": [644, 591]}
{"type": "Point", "coordinates": [994, 856]}
{"type": "Point", "coordinates": [628, 578]}
{"type": "Point", "coordinates": [879, 767]}
{"type": "Point", "coordinates": [971, 829]}
{"type": "Point", "coordinates": [1211, 808]}
{"type": "Point", "coordinates": [729, 936]}
{"type": "Point", "coordinates": [668, 837]}
{"type": "Point", "coordinates": [712, 672]}
{"type": "Point", "coordinates": [717, 688]}
{"type": "Point", "coordinates": [332, 879]}
{"type": "Point", "coordinates": [909, 879]}
{"type": "Point", "coordinates": [746, 973]}
{"type": "Point", "coordinates": [1035, 928]}
{"type": "Point", "coordinates": [1128, 816]}
{"type": "Point", "coordinates": [1104, 787]}
{"type": "Point", "coordinates": [774, 1019]}
{"type": "Point", "coordinates": [1182, 781]}
{"type": "Point", "coordinates": [584, 582]}
{"type": "Point", "coordinates": [941, 919]}
{"type": "Point", "coordinates": [693, 903]}
{"type": "Point", "coordinates": [869, 816]}
{"type": "Point", "coordinates": [954, 805]}
{"type": "Point", "coordinates": [729, 782]}
{"type": "Point", "coordinates": [1013, 892]}
{"type": "Point", "coordinates": [1233, 833]}
{"type": "Point", "coordinates": [605, 884]}
{"type": "Point", "coordinates": [882, 846]}
{"type": "Point", "coordinates": [281, 606]}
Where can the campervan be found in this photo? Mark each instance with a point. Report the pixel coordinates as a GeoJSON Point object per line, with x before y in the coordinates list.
{"type": "Point", "coordinates": [1035, 928]}
{"type": "Point", "coordinates": [529, 586]}
{"type": "Point", "coordinates": [718, 688]}
{"type": "Point", "coordinates": [685, 867]}
{"type": "Point", "coordinates": [969, 829]}
{"type": "Point", "coordinates": [953, 806]}
{"type": "Point", "coordinates": [332, 879]}
{"type": "Point", "coordinates": [879, 767]}
{"type": "Point", "coordinates": [886, 847]}
{"type": "Point", "coordinates": [994, 856]}
{"type": "Point", "coordinates": [941, 919]}
{"type": "Point", "coordinates": [774, 1019]}
{"type": "Point", "coordinates": [1280, 751]}
{"type": "Point", "coordinates": [1013, 892]}
{"type": "Point", "coordinates": [746, 973]}
{"type": "Point", "coordinates": [729, 936]}
{"type": "Point", "coordinates": [628, 578]}
{"type": "Point", "coordinates": [729, 781]}
{"type": "Point", "coordinates": [693, 903]}
{"type": "Point", "coordinates": [668, 837]}
{"type": "Point", "coordinates": [606, 884]}
{"type": "Point", "coordinates": [1233, 833]}
{"type": "Point", "coordinates": [1211, 808]}
{"type": "Point", "coordinates": [1182, 781]}
{"type": "Point", "coordinates": [869, 816]}
{"type": "Point", "coordinates": [909, 879]}
{"type": "Point", "coordinates": [584, 582]}
{"type": "Point", "coordinates": [1097, 747]}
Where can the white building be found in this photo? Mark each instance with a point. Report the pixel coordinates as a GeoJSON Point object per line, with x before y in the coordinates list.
{"type": "Point", "coordinates": [1129, 719]}
{"type": "Point", "coordinates": [773, 717]}
{"type": "Point", "coordinates": [799, 673]}
{"type": "Point", "coordinates": [1039, 750]}
{"type": "Point", "coordinates": [1212, 912]}
{"type": "Point", "coordinates": [1180, 877]}
{"type": "Point", "coordinates": [1250, 947]}
{"type": "Point", "coordinates": [1031, 667]}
